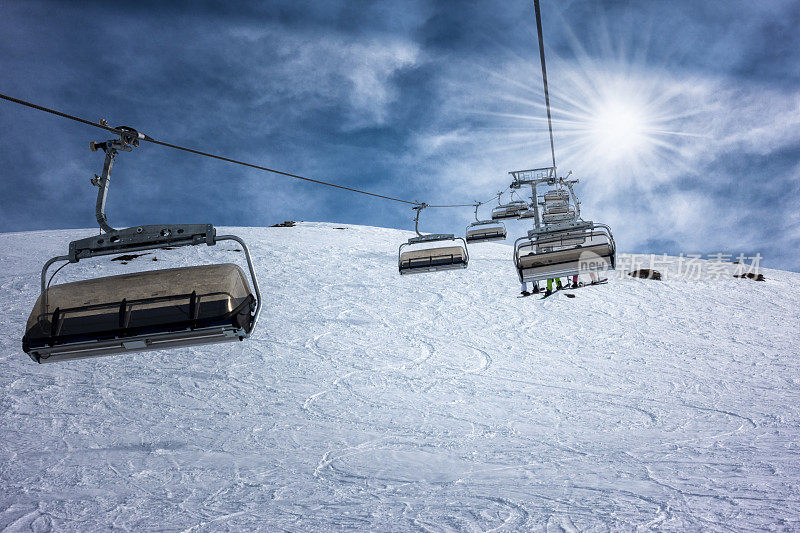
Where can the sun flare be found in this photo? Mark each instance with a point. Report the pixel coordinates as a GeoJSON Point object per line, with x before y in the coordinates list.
{"type": "Point", "coordinates": [618, 129]}
{"type": "Point", "coordinates": [613, 117]}
{"type": "Point", "coordinates": [616, 123]}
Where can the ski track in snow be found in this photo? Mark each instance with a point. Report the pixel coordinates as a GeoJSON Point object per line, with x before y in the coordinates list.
{"type": "Point", "coordinates": [432, 402]}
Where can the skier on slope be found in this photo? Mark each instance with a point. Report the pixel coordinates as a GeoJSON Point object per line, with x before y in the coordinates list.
{"type": "Point", "coordinates": [549, 290]}
{"type": "Point", "coordinates": [525, 288]}
{"type": "Point", "coordinates": [592, 276]}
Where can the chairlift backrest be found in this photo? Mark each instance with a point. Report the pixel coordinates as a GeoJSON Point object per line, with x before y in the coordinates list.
{"type": "Point", "coordinates": [561, 239]}
{"type": "Point", "coordinates": [557, 209]}
{"type": "Point", "coordinates": [556, 217]}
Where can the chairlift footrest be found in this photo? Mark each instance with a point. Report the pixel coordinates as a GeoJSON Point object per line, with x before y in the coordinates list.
{"type": "Point", "coordinates": [142, 238]}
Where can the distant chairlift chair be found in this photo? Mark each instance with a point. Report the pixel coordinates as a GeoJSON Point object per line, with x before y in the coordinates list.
{"type": "Point", "coordinates": [150, 310]}
{"type": "Point", "coordinates": [556, 207]}
{"type": "Point", "coordinates": [510, 210]}
{"type": "Point", "coordinates": [528, 210]}
{"type": "Point", "coordinates": [527, 213]}
{"type": "Point", "coordinates": [485, 230]}
{"type": "Point", "coordinates": [418, 254]}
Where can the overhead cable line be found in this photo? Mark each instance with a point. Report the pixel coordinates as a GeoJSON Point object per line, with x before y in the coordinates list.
{"type": "Point", "coordinates": [544, 78]}
{"type": "Point", "coordinates": [127, 131]}
{"type": "Point", "coordinates": [473, 204]}
{"type": "Point", "coordinates": [451, 205]}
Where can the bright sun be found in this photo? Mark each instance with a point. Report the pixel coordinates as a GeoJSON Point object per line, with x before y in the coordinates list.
{"type": "Point", "coordinates": [612, 120]}
{"type": "Point", "coordinates": [618, 129]}
{"type": "Point", "coordinates": [617, 121]}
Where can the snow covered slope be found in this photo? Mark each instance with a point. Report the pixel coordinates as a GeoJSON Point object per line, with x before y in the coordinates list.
{"type": "Point", "coordinates": [435, 402]}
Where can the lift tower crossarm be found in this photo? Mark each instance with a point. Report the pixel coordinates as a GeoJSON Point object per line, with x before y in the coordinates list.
{"type": "Point", "coordinates": [533, 176]}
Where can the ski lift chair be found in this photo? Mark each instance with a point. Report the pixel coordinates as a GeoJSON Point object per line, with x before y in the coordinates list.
{"type": "Point", "coordinates": [541, 255]}
{"type": "Point", "coordinates": [560, 206]}
{"type": "Point", "coordinates": [510, 210]}
{"type": "Point", "coordinates": [421, 253]}
{"type": "Point", "coordinates": [555, 195]}
{"type": "Point", "coordinates": [485, 230]}
{"type": "Point", "coordinates": [556, 207]}
{"type": "Point", "coordinates": [140, 311]}
{"type": "Point", "coordinates": [554, 215]}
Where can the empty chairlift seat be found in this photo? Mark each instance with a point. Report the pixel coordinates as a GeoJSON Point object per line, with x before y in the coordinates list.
{"type": "Point", "coordinates": [140, 311]}
{"type": "Point", "coordinates": [558, 213]}
{"type": "Point", "coordinates": [566, 253]}
{"type": "Point", "coordinates": [510, 210]}
{"type": "Point", "coordinates": [420, 254]}
{"type": "Point", "coordinates": [486, 231]}
{"type": "Point", "coordinates": [556, 195]}
{"type": "Point", "coordinates": [149, 310]}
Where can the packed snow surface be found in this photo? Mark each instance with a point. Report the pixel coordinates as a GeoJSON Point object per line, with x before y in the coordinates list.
{"type": "Point", "coordinates": [367, 400]}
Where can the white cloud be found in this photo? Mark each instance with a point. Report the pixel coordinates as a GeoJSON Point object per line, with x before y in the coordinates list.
{"type": "Point", "coordinates": [373, 66]}
{"type": "Point", "coordinates": [315, 70]}
{"type": "Point", "coordinates": [753, 118]}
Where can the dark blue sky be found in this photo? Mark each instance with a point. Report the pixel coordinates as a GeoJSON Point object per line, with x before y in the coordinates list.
{"type": "Point", "coordinates": [431, 101]}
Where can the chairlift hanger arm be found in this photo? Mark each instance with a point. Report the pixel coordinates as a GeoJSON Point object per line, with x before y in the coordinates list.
{"type": "Point", "coordinates": [418, 209]}
{"type": "Point", "coordinates": [569, 184]}
{"type": "Point", "coordinates": [477, 205]}
{"type": "Point", "coordinates": [124, 143]}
